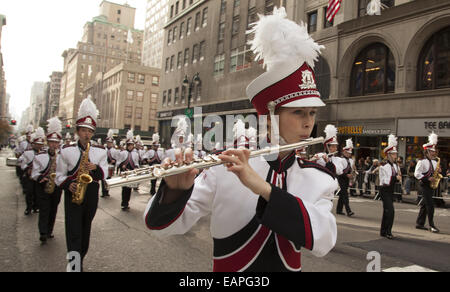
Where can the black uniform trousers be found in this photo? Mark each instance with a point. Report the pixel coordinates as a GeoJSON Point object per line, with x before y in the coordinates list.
{"type": "Point", "coordinates": [48, 207]}
{"type": "Point", "coordinates": [79, 220]}
{"type": "Point", "coordinates": [387, 221]}
{"type": "Point", "coordinates": [427, 205]}
{"type": "Point", "coordinates": [126, 195]}
{"type": "Point", "coordinates": [343, 195]}
{"type": "Point", "coordinates": [30, 193]}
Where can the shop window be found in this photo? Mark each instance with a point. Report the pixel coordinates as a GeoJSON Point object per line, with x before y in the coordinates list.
{"type": "Point", "coordinates": [373, 71]}
{"type": "Point", "coordinates": [434, 62]}
{"type": "Point", "coordinates": [323, 77]}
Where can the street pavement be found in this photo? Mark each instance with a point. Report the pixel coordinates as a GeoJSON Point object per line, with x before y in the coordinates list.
{"type": "Point", "coordinates": [120, 241]}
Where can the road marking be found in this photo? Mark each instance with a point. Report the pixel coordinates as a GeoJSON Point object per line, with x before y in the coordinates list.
{"type": "Point", "coordinates": [410, 269]}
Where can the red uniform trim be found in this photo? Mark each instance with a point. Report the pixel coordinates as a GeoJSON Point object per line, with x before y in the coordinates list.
{"type": "Point", "coordinates": [307, 222]}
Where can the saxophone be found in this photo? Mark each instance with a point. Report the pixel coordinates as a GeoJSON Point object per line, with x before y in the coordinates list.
{"type": "Point", "coordinates": [50, 185]}
{"type": "Point", "coordinates": [436, 175]}
{"type": "Point", "coordinates": [83, 178]}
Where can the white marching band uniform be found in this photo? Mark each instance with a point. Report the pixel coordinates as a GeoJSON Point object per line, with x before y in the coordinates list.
{"type": "Point", "coordinates": [251, 234]}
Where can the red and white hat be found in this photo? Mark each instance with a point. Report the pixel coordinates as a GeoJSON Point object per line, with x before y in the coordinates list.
{"type": "Point", "coordinates": [289, 54]}
{"type": "Point", "coordinates": [29, 130]}
{"type": "Point", "coordinates": [38, 137]}
{"type": "Point", "coordinates": [54, 129]}
{"type": "Point", "coordinates": [130, 137]}
{"type": "Point", "coordinates": [432, 142]}
{"type": "Point", "coordinates": [110, 136]}
{"type": "Point", "coordinates": [331, 135]}
{"type": "Point", "coordinates": [349, 146]}
{"type": "Point", "coordinates": [87, 114]}
{"type": "Point", "coordinates": [392, 145]}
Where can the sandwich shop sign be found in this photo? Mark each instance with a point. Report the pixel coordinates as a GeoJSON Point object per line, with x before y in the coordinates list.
{"type": "Point", "coordinates": [423, 127]}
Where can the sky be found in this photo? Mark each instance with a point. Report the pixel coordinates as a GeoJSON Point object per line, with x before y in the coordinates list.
{"type": "Point", "coordinates": [37, 33]}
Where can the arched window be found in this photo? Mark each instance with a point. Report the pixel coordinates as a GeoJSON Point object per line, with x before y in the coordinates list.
{"type": "Point", "coordinates": [373, 71]}
{"type": "Point", "coordinates": [323, 77]}
{"type": "Point", "coordinates": [434, 62]}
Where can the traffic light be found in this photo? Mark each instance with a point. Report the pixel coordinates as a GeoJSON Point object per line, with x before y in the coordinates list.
{"type": "Point", "coordinates": [13, 122]}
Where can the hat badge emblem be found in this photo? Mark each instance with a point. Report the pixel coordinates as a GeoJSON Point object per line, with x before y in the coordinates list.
{"type": "Point", "coordinates": [308, 80]}
{"type": "Point", "coordinates": [89, 121]}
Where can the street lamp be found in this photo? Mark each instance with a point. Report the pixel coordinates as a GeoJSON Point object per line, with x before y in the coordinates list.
{"type": "Point", "coordinates": [190, 85]}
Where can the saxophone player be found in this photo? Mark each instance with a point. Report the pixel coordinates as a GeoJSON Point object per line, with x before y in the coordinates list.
{"type": "Point", "coordinates": [73, 163]}
{"type": "Point", "coordinates": [424, 172]}
{"type": "Point", "coordinates": [44, 170]}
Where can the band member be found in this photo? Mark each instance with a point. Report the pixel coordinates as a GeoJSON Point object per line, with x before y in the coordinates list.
{"type": "Point", "coordinates": [74, 163]}
{"type": "Point", "coordinates": [24, 145]}
{"type": "Point", "coordinates": [424, 172]}
{"type": "Point", "coordinates": [389, 175]}
{"type": "Point", "coordinates": [252, 138]}
{"type": "Point", "coordinates": [263, 211]}
{"type": "Point", "coordinates": [44, 173]}
{"type": "Point", "coordinates": [37, 142]}
{"type": "Point", "coordinates": [128, 160]}
{"type": "Point", "coordinates": [199, 153]}
{"type": "Point", "coordinates": [155, 156]}
{"type": "Point", "coordinates": [329, 159]}
{"type": "Point", "coordinates": [112, 155]}
{"type": "Point", "coordinates": [347, 166]}
{"type": "Point", "coordinates": [68, 139]}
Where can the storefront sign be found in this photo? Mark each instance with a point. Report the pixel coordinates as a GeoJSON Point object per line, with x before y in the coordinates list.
{"type": "Point", "coordinates": [361, 130]}
{"type": "Point", "coordinates": [423, 127]}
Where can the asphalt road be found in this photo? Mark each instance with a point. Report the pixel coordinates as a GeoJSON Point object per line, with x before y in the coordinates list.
{"type": "Point", "coordinates": [120, 241]}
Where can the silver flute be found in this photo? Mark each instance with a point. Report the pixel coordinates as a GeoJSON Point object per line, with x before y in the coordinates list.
{"type": "Point", "coordinates": [158, 171]}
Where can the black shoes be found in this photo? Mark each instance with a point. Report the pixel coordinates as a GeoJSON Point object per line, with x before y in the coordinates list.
{"type": "Point", "coordinates": [421, 227]}
{"type": "Point", "coordinates": [43, 238]}
{"type": "Point", "coordinates": [388, 236]}
{"type": "Point", "coordinates": [351, 214]}
{"type": "Point", "coordinates": [340, 213]}
{"type": "Point", "coordinates": [434, 229]}
{"type": "Point", "coordinates": [125, 208]}
{"type": "Point", "coordinates": [27, 212]}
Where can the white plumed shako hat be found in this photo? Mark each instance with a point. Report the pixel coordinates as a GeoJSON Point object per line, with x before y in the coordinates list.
{"type": "Point", "coordinates": [54, 129]}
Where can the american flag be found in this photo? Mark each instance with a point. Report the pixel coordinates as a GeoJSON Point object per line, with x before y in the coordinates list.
{"type": "Point", "coordinates": [333, 8]}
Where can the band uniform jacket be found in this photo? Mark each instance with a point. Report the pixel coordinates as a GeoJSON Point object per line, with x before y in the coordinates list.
{"type": "Point", "coordinates": [249, 233]}
{"type": "Point", "coordinates": [388, 174]}
{"type": "Point", "coordinates": [425, 169]}
{"type": "Point", "coordinates": [41, 165]}
{"type": "Point", "coordinates": [27, 159]}
{"type": "Point", "coordinates": [130, 160]}
{"type": "Point", "coordinates": [335, 163]}
{"type": "Point", "coordinates": [68, 163]}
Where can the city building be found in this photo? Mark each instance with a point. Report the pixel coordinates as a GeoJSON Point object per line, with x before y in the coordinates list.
{"type": "Point", "coordinates": [155, 18]}
{"type": "Point", "coordinates": [109, 40]}
{"type": "Point", "coordinates": [3, 107]}
{"type": "Point", "coordinates": [378, 74]}
{"type": "Point", "coordinates": [54, 92]}
{"type": "Point", "coordinates": [38, 104]}
{"type": "Point", "coordinates": [126, 97]}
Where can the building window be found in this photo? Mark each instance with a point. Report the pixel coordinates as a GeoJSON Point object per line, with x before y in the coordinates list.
{"type": "Point", "coordinates": [202, 50]}
{"type": "Point", "coordinates": [362, 6]}
{"type": "Point", "coordinates": [189, 26]}
{"type": "Point", "coordinates": [131, 77]}
{"type": "Point", "coordinates": [128, 112]}
{"type": "Point", "coordinates": [130, 94]}
{"type": "Point", "coordinates": [235, 26]}
{"type": "Point", "coordinates": [138, 114]}
{"type": "Point", "coordinates": [205, 17]}
{"type": "Point", "coordinates": [219, 65]}
{"type": "Point", "coordinates": [222, 31]}
{"type": "Point", "coordinates": [326, 23]}
{"type": "Point", "coordinates": [434, 62]}
{"type": "Point", "coordinates": [155, 80]}
{"type": "Point", "coordinates": [154, 98]}
{"type": "Point", "coordinates": [141, 78]}
{"type": "Point", "coordinates": [198, 16]}
{"type": "Point", "coordinates": [177, 95]}
{"type": "Point", "coordinates": [323, 77]}
{"type": "Point", "coordinates": [181, 30]}
{"type": "Point", "coordinates": [169, 97]}
{"type": "Point", "coordinates": [164, 100]}
{"type": "Point", "coordinates": [195, 52]}
{"type": "Point", "coordinates": [183, 94]}
{"type": "Point", "coordinates": [186, 57]}
{"type": "Point", "coordinates": [139, 96]}
{"type": "Point", "coordinates": [268, 7]}
{"type": "Point", "coordinates": [180, 55]}
{"type": "Point", "coordinates": [312, 21]}
{"type": "Point", "coordinates": [373, 71]}
{"type": "Point", "coordinates": [241, 59]}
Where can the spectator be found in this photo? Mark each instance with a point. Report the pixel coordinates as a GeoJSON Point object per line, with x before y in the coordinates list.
{"type": "Point", "coordinates": [410, 180]}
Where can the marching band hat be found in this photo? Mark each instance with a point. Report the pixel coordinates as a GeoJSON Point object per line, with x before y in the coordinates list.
{"type": "Point", "coordinates": [289, 54]}
{"type": "Point", "coordinates": [109, 136]}
{"type": "Point", "coordinates": [38, 137]}
{"type": "Point", "coordinates": [432, 142]}
{"type": "Point", "coordinates": [54, 129]}
{"type": "Point", "coordinates": [155, 139]}
{"type": "Point", "coordinates": [392, 145]}
{"type": "Point", "coordinates": [29, 130]}
{"type": "Point", "coordinates": [87, 114]}
{"type": "Point", "coordinates": [349, 146]}
{"type": "Point", "coordinates": [331, 135]}
{"type": "Point", "coordinates": [130, 138]}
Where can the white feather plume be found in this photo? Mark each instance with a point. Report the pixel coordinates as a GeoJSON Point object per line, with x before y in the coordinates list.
{"type": "Point", "coordinates": [182, 126]}
{"type": "Point", "coordinates": [110, 134]}
{"type": "Point", "coordinates": [88, 108]}
{"type": "Point", "coordinates": [68, 136]}
{"type": "Point", "coordinates": [349, 144]}
{"type": "Point", "coordinates": [138, 139]}
{"type": "Point", "coordinates": [239, 129]}
{"type": "Point", "coordinates": [39, 133]}
{"type": "Point", "coordinates": [130, 135]}
{"type": "Point", "coordinates": [279, 40]}
{"type": "Point", "coordinates": [54, 126]}
{"type": "Point", "coordinates": [392, 141]}
{"type": "Point", "coordinates": [251, 133]}
{"type": "Point", "coordinates": [155, 137]}
{"type": "Point", "coordinates": [330, 132]}
{"type": "Point", "coordinates": [30, 129]}
{"type": "Point", "coordinates": [433, 138]}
